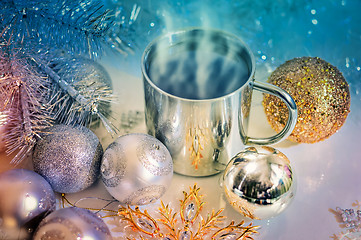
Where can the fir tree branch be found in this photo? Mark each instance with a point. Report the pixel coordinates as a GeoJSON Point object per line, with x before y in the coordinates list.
{"type": "Point", "coordinates": [23, 88]}
{"type": "Point", "coordinates": [78, 101]}
{"type": "Point", "coordinates": [79, 27]}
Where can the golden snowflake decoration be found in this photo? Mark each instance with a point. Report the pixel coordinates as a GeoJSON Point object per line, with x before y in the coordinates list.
{"type": "Point", "coordinates": [185, 224]}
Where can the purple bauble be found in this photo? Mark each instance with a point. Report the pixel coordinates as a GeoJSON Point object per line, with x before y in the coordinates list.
{"type": "Point", "coordinates": [72, 224]}
{"type": "Point", "coordinates": [25, 198]}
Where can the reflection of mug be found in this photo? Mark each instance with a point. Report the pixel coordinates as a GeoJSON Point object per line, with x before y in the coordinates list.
{"type": "Point", "coordinates": [198, 85]}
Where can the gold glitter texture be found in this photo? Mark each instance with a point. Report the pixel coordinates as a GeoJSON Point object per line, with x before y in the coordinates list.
{"type": "Point", "coordinates": [321, 94]}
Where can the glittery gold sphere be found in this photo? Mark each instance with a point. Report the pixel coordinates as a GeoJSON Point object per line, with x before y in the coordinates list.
{"type": "Point", "coordinates": [321, 94]}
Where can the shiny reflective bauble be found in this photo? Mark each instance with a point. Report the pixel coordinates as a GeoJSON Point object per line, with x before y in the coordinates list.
{"type": "Point", "coordinates": [25, 198]}
{"type": "Point", "coordinates": [258, 182]}
{"type": "Point", "coordinates": [72, 224]}
{"type": "Point", "coordinates": [321, 94]}
{"type": "Point", "coordinates": [68, 158]}
{"type": "Point", "coordinates": [136, 169]}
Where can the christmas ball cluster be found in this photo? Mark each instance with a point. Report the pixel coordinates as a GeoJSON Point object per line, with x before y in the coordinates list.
{"type": "Point", "coordinates": [136, 169]}
{"type": "Point", "coordinates": [321, 94]}
{"type": "Point", "coordinates": [27, 211]}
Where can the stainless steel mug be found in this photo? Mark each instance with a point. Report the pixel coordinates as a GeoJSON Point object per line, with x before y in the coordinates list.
{"type": "Point", "coordinates": [198, 87]}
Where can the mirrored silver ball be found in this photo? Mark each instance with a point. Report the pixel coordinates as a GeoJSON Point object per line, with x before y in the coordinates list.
{"type": "Point", "coordinates": [259, 183]}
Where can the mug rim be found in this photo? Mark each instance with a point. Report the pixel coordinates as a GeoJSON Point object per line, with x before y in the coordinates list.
{"type": "Point", "coordinates": [172, 33]}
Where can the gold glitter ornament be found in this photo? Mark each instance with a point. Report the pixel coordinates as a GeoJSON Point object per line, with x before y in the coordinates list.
{"type": "Point", "coordinates": [321, 94]}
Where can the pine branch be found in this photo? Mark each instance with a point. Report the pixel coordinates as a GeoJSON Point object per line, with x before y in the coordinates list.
{"type": "Point", "coordinates": [81, 91]}
{"type": "Point", "coordinates": [122, 36]}
{"type": "Point", "coordinates": [79, 27]}
{"type": "Point", "coordinates": [133, 27]}
{"type": "Point", "coordinates": [23, 88]}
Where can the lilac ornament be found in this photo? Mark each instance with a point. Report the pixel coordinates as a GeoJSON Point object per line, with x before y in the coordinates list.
{"type": "Point", "coordinates": [72, 224]}
{"type": "Point", "coordinates": [25, 198]}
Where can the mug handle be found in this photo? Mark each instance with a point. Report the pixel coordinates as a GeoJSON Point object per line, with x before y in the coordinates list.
{"type": "Point", "coordinates": [292, 116]}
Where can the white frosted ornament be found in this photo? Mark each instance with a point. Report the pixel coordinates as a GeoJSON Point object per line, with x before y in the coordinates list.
{"type": "Point", "coordinates": [136, 169]}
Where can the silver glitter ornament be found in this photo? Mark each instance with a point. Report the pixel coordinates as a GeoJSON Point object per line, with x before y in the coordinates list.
{"type": "Point", "coordinates": [136, 169]}
{"type": "Point", "coordinates": [25, 198]}
{"type": "Point", "coordinates": [72, 224]}
{"type": "Point", "coordinates": [68, 158]}
{"type": "Point", "coordinates": [259, 183]}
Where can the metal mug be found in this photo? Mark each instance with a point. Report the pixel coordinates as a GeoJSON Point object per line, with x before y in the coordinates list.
{"type": "Point", "coordinates": [198, 87]}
